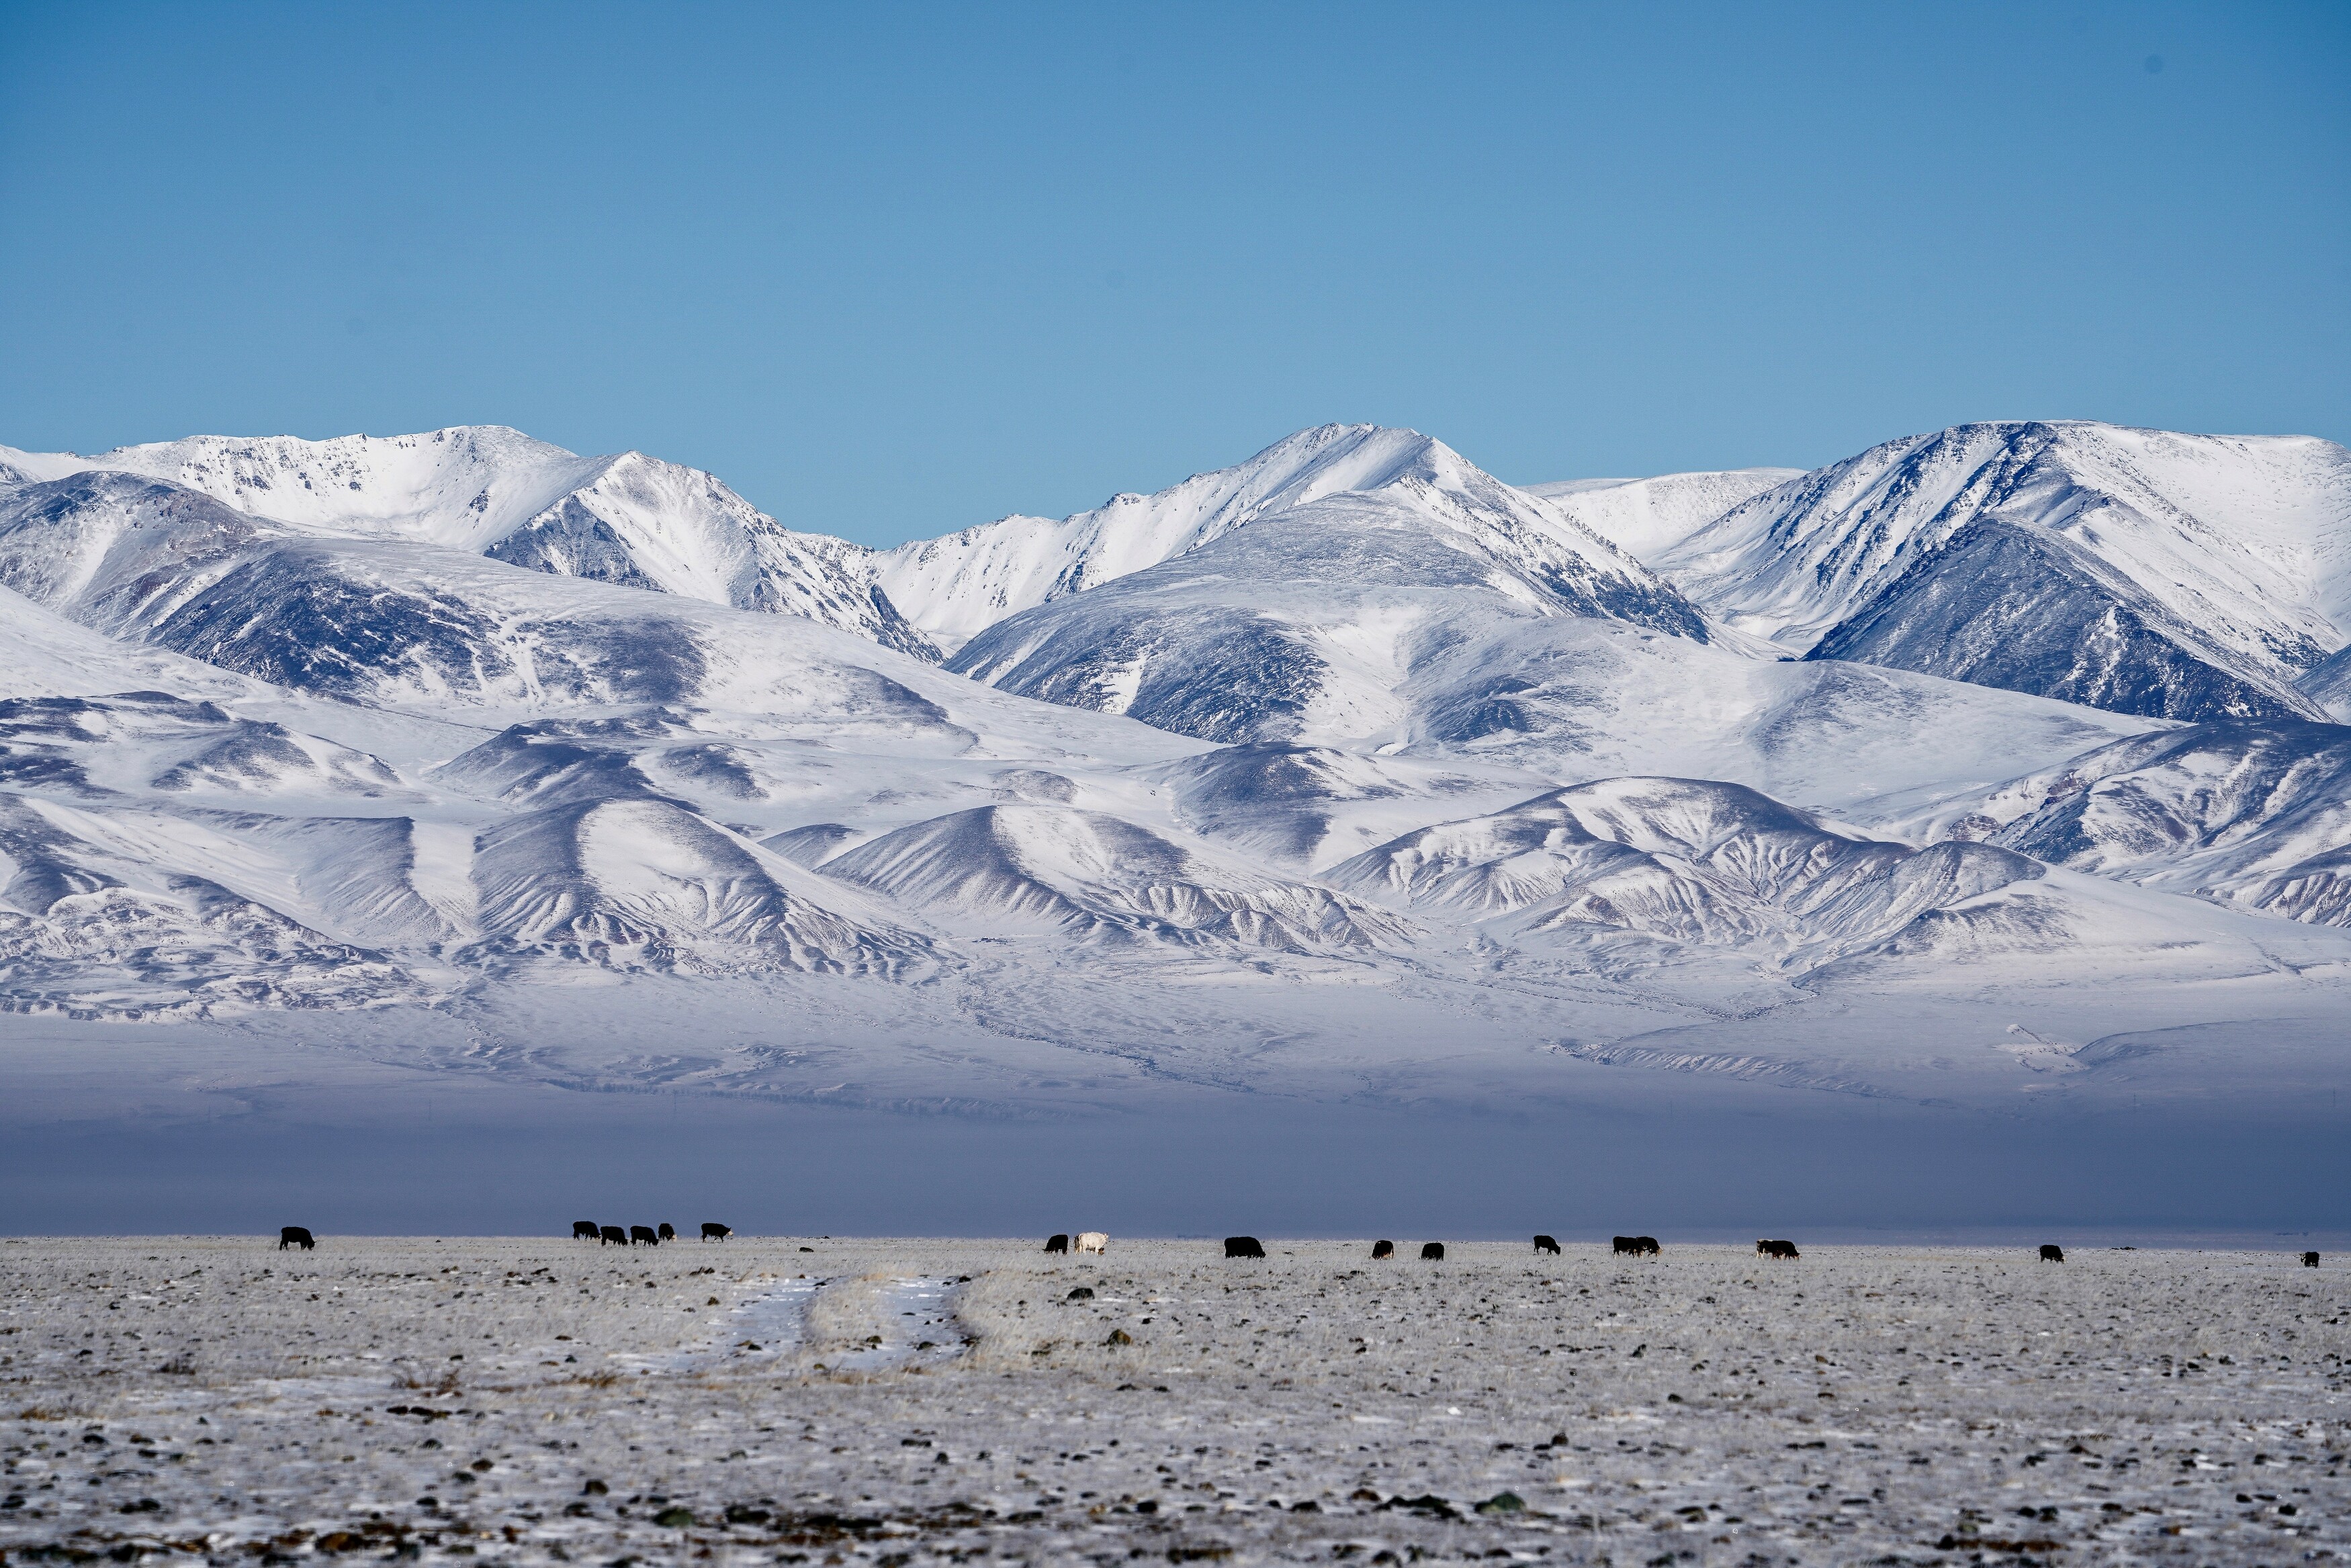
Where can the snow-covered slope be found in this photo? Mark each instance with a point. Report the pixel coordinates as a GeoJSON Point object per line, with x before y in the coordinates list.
{"type": "Point", "coordinates": [1305, 622]}
{"type": "Point", "coordinates": [650, 883]}
{"type": "Point", "coordinates": [44, 654]}
{"type": "Point", "coordinates": [2254, 813]}
{"type": "Point", "coordinates": [151, 739]}
{"type": "Point", "coordinates": [1010, 867]}
{"type": "Point", "coordinates": [629, 519]}
{"type": "Point", "coordinates": [2175, 576]}
{"type": "Point", "coordinates": [1292, 804]}
{"type": "Point", "coordinates": [1646, 517]}
{"type": "Point", "coordinates": [956, 586]}
{"type": "Point", "coordinates": [2329, 686]}
{"type": "Point", "coordinates": [1681, 859]}
{"type": "Point", "coordinates": [1352, 628]}
{"type": "Point", "coordinates": [116, 917]}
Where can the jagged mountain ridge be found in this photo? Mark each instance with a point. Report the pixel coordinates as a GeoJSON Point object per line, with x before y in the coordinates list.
{"type": "Point", "coordinates": [421, 627]}
{"type": "Point", "coordinates": [627, 519]}
{"type": "Point", "coordinates": [2143, 571]}
{"type": "Point", "coordinates": [636, 521]}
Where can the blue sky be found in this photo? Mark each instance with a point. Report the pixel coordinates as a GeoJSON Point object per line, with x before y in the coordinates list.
{"type": "Point", "coordinates": [894, 270]}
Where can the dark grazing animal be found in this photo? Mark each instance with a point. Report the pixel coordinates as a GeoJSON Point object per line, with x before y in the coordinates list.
{"type": "Point", "coordinates": [1546, 1243]}
{"type": "Point", "coordinates": [583, 1230]}
{"type": "Point", "coordinates": [712, 1231]}
{"type": "Point", "coordinates": [294, 1236]}
{"type": "Point", "coordinates": [668, 1231]}
{"type": "Point", "coordinates": [1776, 1250]}
{"type": "Point", "coordinates": [1637, 1246]}
{"type": "Point", "coordinates": [1243, 1247]}
{"type": "Point", "coordinates": [1059, 1242]}
{"type": "Point", "coordinates": [2052, 1253]}
{"type": "Point", "coordinates": [1432, 1252]}
{"type": "Point", "coordinates": [2310, 1260]}
{"type": "Point", "coordinates": [1383, 1250]}
{"type": "Point", "coordinates": [644, 1233]}
{"type": "Point", "coordinates": [613, 1236]}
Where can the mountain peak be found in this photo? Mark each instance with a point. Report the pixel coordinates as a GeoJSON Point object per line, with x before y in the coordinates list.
{"type": "Point", "coordinates": [2152, 572]}
{"type": "Point", "coordinates": [956, 586]}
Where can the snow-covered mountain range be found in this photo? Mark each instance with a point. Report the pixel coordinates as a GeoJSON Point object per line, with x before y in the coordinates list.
{"type": "Point", "coordinates": [1332, 765]}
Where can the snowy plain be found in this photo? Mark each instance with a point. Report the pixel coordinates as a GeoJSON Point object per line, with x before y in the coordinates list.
{"type": "Point", "coordinates": [213, 1399]}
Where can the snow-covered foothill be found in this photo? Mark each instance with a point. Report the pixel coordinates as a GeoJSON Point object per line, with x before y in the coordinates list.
{"type": "Point", "coordinates": [1044, 868]}
{"type": "Point", "coordinates": [2255, 813]}
{"type": "Point", "coordinates": [1684, 860]}
{"type": "Point", "coordinates": [151, 739]}
{"type": "Point", "coordinates": [648, 883]}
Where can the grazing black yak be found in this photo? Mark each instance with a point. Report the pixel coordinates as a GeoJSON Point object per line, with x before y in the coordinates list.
{"type": "Point", "coordinates": [2052, 1253]}
{"type": "Point", "coordinates": [712, 1231]}
{"type": "Point", "coordinates": [1432, 1252]}
{"type": "Point", "coordinates": [1637, 1246]}
{"type": "Point", "coordinates": [667, 1231]}
{"type": "Point", "coordinates": [613, 1236]}
{"type": "Point", "coordinates": [294, 1236]}
{"type": "Point", "coordinates": [644, 1233]}
{"type": "Point", "coordinates": [1243, 1247]}
{"type": "Point", "coordinates": [1059, 1242]}
{"type": "Point", "coordinates": [1547, 1244]}
{"type": "Point", "coordinates": [2310, 1260]}
{"type": "Point", "coordinates": [583, 1230]}
{"type": "Point", "coordinates": [1383, 1250]}
{"type": "Point", "coordinates": [1776, 1250]}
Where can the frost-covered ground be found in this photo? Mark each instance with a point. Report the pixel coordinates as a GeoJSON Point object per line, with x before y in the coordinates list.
{"type": "Point", "coordinates": [826, 1401]}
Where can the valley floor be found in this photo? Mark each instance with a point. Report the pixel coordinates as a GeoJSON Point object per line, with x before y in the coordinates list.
{"type": "Point", "coordinates": [892, 1402]}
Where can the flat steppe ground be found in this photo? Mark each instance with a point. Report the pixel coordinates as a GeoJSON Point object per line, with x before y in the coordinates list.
{"type": "Point", "coordinates": [179, 1398]}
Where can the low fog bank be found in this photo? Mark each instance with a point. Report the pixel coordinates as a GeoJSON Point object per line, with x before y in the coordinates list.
{"type": "Point", "coordinates": [381, 1151]}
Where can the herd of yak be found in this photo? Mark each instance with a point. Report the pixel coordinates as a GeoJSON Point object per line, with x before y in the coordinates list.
{"type": "Point", "coordinates": [641, 1235]}
{"type": "Point", "coordinates": [1098, 1242]}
